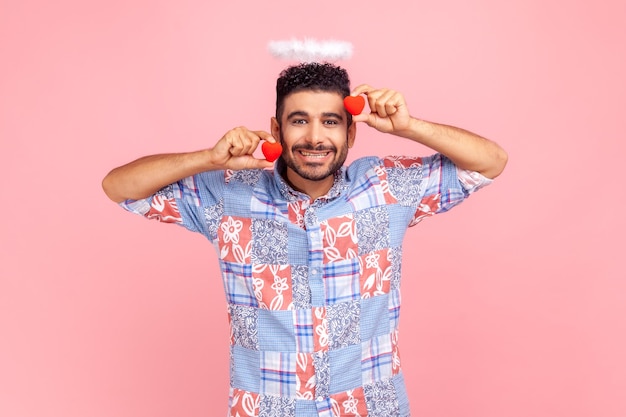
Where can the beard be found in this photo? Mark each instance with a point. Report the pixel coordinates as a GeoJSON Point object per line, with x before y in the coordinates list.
{"type": "Point", "coordinates": [312, 171]}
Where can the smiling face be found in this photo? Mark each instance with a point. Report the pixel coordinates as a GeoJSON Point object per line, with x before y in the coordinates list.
{"type": "Point", "coordinates": [315, 136]}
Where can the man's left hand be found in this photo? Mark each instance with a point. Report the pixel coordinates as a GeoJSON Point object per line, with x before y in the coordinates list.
{"type": "Point", "coordinates": [388, 110]}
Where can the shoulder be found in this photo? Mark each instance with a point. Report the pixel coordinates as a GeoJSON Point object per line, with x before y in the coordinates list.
{"type": "Point", "coordinates": [362, 165]}
{"type": "Point", "coordinates": [392, 162]}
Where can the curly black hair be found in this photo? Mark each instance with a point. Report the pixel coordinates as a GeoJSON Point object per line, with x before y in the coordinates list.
{"type": "Point", "coordinates": [312, 76]}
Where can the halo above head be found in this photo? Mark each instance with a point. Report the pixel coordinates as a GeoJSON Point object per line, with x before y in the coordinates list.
{"type": "Point", "coordinates": [310, 50]}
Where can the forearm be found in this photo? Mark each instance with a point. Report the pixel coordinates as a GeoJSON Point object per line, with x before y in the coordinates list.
{"type": "Point", "coordinates": [144, 176]}
{"type": "Point", "coordinates": [466, 149]}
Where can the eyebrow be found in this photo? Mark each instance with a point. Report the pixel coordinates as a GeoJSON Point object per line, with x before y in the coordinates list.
{"type": "Point", "coordinates": [300, 113]}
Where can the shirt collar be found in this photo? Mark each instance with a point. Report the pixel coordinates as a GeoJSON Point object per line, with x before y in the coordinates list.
{"type": "Point", "coordinates": [291, 195]}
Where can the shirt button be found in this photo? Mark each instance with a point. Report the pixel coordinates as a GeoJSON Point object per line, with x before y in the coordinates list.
{"type": "Point", "coordinates": [320, 398]}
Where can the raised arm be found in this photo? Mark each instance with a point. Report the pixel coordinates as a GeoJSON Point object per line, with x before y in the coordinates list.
{"type": "Point", "coordinates": [389, 114]}
{"type": "Point", "coordinates": [144, 176]}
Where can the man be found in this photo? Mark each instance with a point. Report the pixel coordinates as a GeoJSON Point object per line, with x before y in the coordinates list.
{"type": "Point", "coordinates": [310, 251]}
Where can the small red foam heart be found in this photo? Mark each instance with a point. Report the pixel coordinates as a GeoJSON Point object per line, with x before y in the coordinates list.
{"type": "Point", "coordinates": [354, 104]}
{"type": "Point", "coordinates": [271, 150]}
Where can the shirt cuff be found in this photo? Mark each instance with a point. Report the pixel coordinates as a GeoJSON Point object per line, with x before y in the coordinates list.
{"type": "Point", "coordinates": [472, 180]}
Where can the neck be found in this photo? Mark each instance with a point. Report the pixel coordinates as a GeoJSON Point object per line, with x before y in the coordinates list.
{"type": "Point", "coordinates": [312, 188]}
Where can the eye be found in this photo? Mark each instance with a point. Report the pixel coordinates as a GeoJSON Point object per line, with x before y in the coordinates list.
{"type": "Point", "coordinates": [331, 122]}
{"type": "Point", "coordinates": [298, 121]}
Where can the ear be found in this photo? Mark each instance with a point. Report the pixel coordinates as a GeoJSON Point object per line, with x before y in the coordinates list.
{"type": "Point", "coordinates": [275, 128]}
{"type": "Point", "coordinates": [351, 134]}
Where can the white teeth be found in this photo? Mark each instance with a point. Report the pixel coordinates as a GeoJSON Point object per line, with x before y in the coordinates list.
{"type": "Point", "coordinates": [313, 155]}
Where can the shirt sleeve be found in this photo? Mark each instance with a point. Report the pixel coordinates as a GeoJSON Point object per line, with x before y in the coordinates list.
{"type": "Point", "coordinates": [194, 202]}
{"type": "Point", "coordinates": [431, 184]}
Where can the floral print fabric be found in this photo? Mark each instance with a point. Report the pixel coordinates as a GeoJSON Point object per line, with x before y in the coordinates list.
{"type": "Point", "coordinates": [313, 287]}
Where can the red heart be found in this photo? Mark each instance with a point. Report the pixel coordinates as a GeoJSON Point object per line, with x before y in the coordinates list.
{"type": "Point", "coordinates": [354, 104]}
{"type": "Point", "coordinates": [271, 150]}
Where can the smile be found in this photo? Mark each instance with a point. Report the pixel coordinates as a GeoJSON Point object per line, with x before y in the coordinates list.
{"type": "Point", "coordinates": [314, 154]}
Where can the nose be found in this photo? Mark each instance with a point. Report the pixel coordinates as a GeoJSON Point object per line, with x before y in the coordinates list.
{"type": "Point", "coordinates": [314, 135]}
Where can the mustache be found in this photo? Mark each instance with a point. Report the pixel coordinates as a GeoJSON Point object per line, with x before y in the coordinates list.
{"type": "Point", "coordinates": [318, 148]}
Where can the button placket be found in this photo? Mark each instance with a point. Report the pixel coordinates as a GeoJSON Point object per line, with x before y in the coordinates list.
{"type": "Point", "coordinates": [316, 256]}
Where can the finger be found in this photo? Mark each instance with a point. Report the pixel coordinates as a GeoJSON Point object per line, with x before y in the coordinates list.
{"type": "Point", "coordinates": [242, 141]}
{"type": "Point", "coordinates": [390, 108]}
{"type": "Point", "coordinates": [362, 89]}
{"type": "Point", "coordinates": [373, 100]}
{"type": "Point", "coordinates": [392, 100]}
{"type": "Point", "coordinates": [237, 148]}
{"type": "Point", "coordinates": [266, 136]}
{"type": "Point", "coordinates": [389, 103]}
{"type": "Point", "coordinates": [234, 143]}
{"type": "Point", "coordinates": [381, 106]}
{"type": "Point", "coordinates": [250, 140]}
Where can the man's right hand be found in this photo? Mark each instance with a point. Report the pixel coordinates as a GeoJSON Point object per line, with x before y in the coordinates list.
{"type": "Point", "coordinates": [234, 150]}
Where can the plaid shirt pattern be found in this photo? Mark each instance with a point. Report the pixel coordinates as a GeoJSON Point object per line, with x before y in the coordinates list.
{"type": "Point", "coordinates": [313, 287]}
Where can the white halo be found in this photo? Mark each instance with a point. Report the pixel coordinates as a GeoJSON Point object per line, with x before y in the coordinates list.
{"type": "Point", "coordinates": [310, 50]}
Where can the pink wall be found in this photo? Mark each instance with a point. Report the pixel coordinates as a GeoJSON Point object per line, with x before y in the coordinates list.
{"type": "Point", "coordinates": [515, 303]}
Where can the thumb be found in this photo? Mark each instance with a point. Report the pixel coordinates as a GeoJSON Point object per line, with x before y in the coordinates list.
{"type": "Point", "coordinates": [363, 117]}
{"type": "Point", "coordinates": [368, 118]}
{"type": "Point", "coordinates": [250, 162]}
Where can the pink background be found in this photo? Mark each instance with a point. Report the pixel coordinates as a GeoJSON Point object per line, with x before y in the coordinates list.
{"type": "Point", "coordinates": [514, 303]}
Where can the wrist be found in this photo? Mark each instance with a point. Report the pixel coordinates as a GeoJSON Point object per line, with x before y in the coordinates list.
{"type": "Point", "coordinates": [210, 160]}
{"type": "Point", "coordinates": [416, 130]}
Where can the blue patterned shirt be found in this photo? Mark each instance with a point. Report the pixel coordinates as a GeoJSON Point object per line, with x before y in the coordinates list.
{"type": "Point", "coordinates": [313, 287]}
